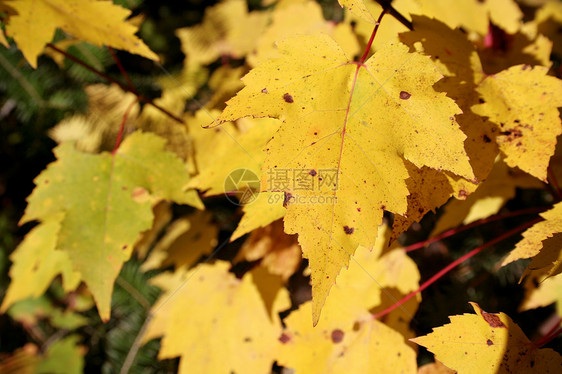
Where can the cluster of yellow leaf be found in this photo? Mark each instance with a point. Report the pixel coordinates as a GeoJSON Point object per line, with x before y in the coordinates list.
{"type": "Point", "coordinates": [336, 141]}
{"type": "Point", "coordinates": [32, 24]}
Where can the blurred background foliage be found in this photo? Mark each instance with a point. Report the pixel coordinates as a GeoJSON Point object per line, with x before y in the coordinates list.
{"type": "Point", "coordinates": [34, 101]}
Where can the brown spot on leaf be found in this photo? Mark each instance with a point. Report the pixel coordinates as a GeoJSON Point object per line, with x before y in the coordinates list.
{"type": "Point", "coordinates": [348, 230]}
{"type": "Point", "coordinates": [404, 95]}
{"type": "Point", "coordinates": [284, 338]}
{"type": "Point", "coordinates": [493, 320]}
{"type": "Point", "coordinates": [264, 90]}
{"type": "Point", "coordinates": [337, 336]}
{"type": "Point", "coordinates": [124, 247]}
{"type": "Point", "coordinates": [486, 138]}
{"type": "Point", "coordinates": [288, 98]}
{"type": "Point", "coordinates": [287, 198]}
{"type": "Point", "coordinates": [489, 342]}
{"type": "Point", "coordinates": [359, 209]}
{"type": "Point", "coordinates": [313, 172]}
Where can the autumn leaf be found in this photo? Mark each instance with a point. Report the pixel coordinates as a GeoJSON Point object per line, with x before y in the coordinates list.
{"type": "Point", "coordinates": [486, 343]}
{"type": "Point", "coordinates": [347, 338]}
{"type": "Point", "coordinates": [229, 330]}
{"type": "Point", "coordinates": [97, 22]}
{"type": "Point", "coordinates": [233, 152]}
{"type": "Point", "coordinates": [548, 291]}
{"type": "Point", "coordinates": [542, 242]}
{"type": "Point", "coordinates": [358, 8]}
{"type": "Point", "coordinates": [265, 209]}
{"type": "Point", "coordinates": [347, 129]}
{"type": "Point", "coordinates": [92, 209]}
{"type": "Point", "coordinates": [184, 242]}
{"type": "Point", "coordinates": [522, 101]}
{"type": "Point", "coordinates": [228, 29]}
{"type": "Point", "coordinates": [339, 344]}
{"type": "Point", "coordinates": [301, 18]}
{"type": "Point", "coordinates": [277, 251]}
{"type": "Point", "coordinates": [487, 200]}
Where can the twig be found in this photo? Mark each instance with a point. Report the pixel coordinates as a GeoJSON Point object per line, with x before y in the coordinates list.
{"type": "Point", "coordinates": [122, 127]}
{"type": "Point", "coordinates": [122, 69]}
{"type": "Point", "coordinates": [113, 80]}
{"type": "Point", "coordinates": [482, 221]}
{"type": "Point", "coordinates": [387, 6]}
{"type": "Point", "coordinates": [453, 264]}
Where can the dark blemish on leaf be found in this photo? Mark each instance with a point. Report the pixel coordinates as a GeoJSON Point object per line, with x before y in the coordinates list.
{"type": "Point", "coordinates": [481, 101]}
{"type": "Point", "coordinates": [462, 194]}
{"type": "Point", "coordinates": [264, 90]}
{"type": "Point", "coordinates": [320, 178]}
{"type": "Point", "coordinates": [124, 247]}
{"type": "Point", "coordinates": [337, 336]}
{"type": "Point", "coordinates": [404, 95]}
{"type": "Point", "coordinates": [525, 67]}
{"type": "Point", "coordinates": [46, 181]}
{"type": "Point", "coordinates": [420, 210]}
{"type": "Point", "coordinates": [315, 133]}
{"type": "Point", "coordinates": [516, 121]}
{"type": "Point", "coordinates": [489, 342]}
{"type": "Point", "coordinates": [492, 320]}
{"type": "Point", "coordinates": [532, 363]}
{"type": "Point", "coordinates": [359, 209]}
{"type": "Point", "coordinates": [247, 339]}
{"type": "Point", "coordinates": [284, 338]}
{"type": "Point", "coordinates": [383, 207]}
{"type": "Point", "coordinates": [287, 199]}
{"type": "Point", "coordinates": [502, 124]}
{"type": "Point", "coordinates": [348, 230]}
{"type": "Point", "coordinates": [486, 139]}
{"type": "Point", "coordinates": [124, 188]}
{"type": "Point", "coordinates": [313, 172]}
{"type": "Point", "coordinates": [288, 98]}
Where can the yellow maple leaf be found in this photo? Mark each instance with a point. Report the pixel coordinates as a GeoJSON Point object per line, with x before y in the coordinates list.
{"type": "Point", "coordinates": [279, 252]}
{"type": "Point", "coordinates": [347, 129]}
{"type": "Point", "coordinates": [358, 8]}
{"type": "Point", "coordinates": [303, 18]}
{"type": "Point", "coordinates": [543, 242]}
{"type": "Point", "coordinates": [184, 242]}
{"type": "Point", "coordinates": [228, 29]}
{"type": "Point", "coordinates": [97, 22]}
{"type": "Point", "coordinates": [234, 152]}
{"type": "Point", "coordinates": [487, 200]}
{"type": "Point", "coordinates": [522, 101]}
{"type": "Point", "coordinates": [488, 343]}
{"type": "Point", "coordinates": [347, 338]}
{"type": "Point", "coordinates": [266, 208]}
{"type": "Point", "coordinates": [547, 292]}
{"type": "Point", "coordinates": [214, 321]}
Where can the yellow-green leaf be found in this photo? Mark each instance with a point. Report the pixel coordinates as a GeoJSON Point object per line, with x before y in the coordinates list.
{"type": "Point", "coordinates": [102, 204]}
{"type": "Point", "coordinates": [97, 22]}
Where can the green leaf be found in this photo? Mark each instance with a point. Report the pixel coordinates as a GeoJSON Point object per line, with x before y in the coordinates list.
{"type": "Point", "coordinates": [103, 203]}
